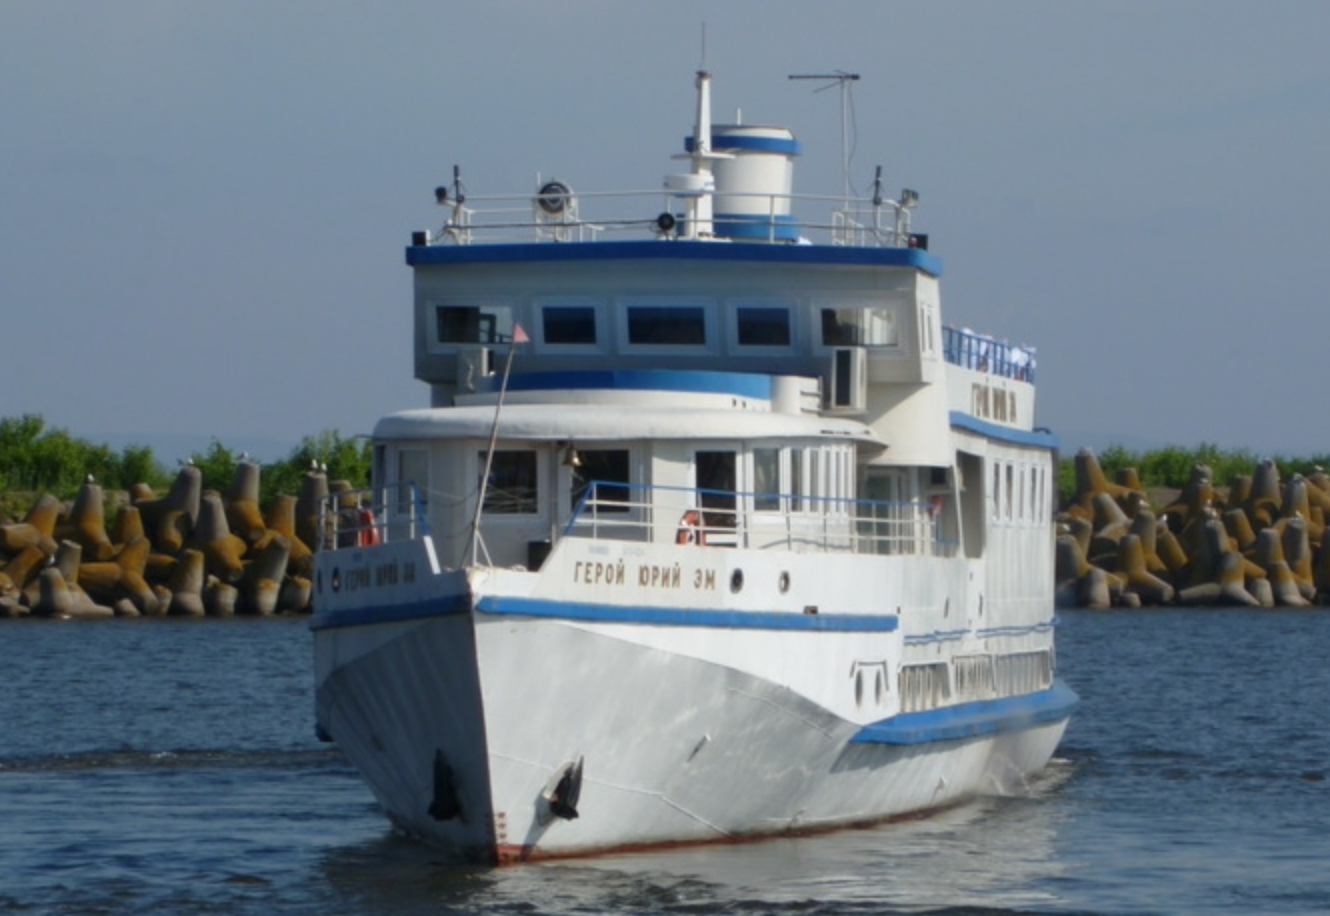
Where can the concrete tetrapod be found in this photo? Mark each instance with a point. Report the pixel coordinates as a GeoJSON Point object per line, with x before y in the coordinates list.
{"type": "Point", "coordinates": [1263, 505]}
{"type": "Point", "coordinates": [86, 523]}
{"type": "Point", "coordinates": [222, 550]}
{"type": "Point", "coordinates": [1148, 588]}
{"type": "Point", "coordinates": [120, 582]}
{"type": "Point", "coordinates": [313, 491]}
{"type": "Point", "coordinates": [242, 504]}
{"type": "Point", "coordinates": [1269, 554]}
{"type": "Point", "coordinates": [36, 530]}
{"type": "Point", "coordinates": [186, 585]}
{"type": "Point", "coordinates": [261, 585]}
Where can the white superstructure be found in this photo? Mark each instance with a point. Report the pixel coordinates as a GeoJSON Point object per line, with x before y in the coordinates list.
{"type": "Point", "coordinates": [713, 529]}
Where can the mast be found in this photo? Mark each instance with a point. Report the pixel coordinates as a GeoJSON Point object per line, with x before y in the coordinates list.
{"type": "Point", "coordinates": [844, 80]}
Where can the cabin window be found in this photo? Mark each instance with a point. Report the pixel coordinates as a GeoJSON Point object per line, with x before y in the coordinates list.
{"type": "Point", "coordinates": [716, 482]}
{"type": "Point", "coordinates": [473, 324]}
{"type": "Point", "coordinates": [798, 487]}
{"type": "Point", "coordinates": [1023, 672]}
{"type": "Point", "coordinates": [670, 325]}
{"type": "Point", "coordinates": [974, 677]}
{"type": "Point", "coordinates": [609, 470]}
{"type": "Point", "coordinates": [569, 324]}
{"type": "Point", "coordinates": [924, 686]}
{"type": "Point", "coordinates": [859, 327]}
{"type": "Point", "coordinates": [816, 488]}
{"type": "Point", "coordinates": [927, 316]}
{"type": "Point", "coordinates": [763, 326]}
{"type": "Point", "coordinates": [512, 483]}
{"type": "Point", "coordinates": [766, 479]}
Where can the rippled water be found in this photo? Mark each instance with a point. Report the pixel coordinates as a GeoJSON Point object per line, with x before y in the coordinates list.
{"type": "Point", "coordinates": [170, 767]}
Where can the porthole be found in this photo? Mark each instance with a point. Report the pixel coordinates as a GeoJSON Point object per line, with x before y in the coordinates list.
{"type": "Point", "coordinates": [336, 580]}
{"type": "Point", "coordinates": [784, 582]}
{"type": "Point", "coordinates": [737, 581]}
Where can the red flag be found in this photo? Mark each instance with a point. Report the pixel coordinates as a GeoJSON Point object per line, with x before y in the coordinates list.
{"type": "Point", "coordinates": [519, 335]}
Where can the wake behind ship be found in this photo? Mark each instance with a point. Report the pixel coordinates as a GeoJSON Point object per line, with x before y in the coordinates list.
{"type": "Point", "coordinates": [713, 530]}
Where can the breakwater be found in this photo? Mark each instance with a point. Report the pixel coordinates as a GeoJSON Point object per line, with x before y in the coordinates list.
{"type": "Point", "coordinates": [1257, 542]}
{"type": "Point", "coordinates": [187, 552]}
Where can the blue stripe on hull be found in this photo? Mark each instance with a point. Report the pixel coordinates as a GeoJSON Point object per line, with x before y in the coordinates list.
{"type": "Point", "coordinates": [443, 606]}
{"type": "Point", "coordinates": [970, 720]}
{"type": "Point", "coordinates": [680, 617]}
{"type": "Point", "coordinates": [460, 603]}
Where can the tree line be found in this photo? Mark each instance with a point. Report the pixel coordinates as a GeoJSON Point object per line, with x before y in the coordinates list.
{"type": "Point", "coordinates": [1171, 466]}
{"type": "Point", "coordinates": [36, 458]}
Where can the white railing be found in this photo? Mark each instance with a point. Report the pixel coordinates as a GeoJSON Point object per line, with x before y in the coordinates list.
{"type": "Point", "coordinates": [859, 223]}
{"type": "Point", "coordinates": [374, 515]}
{"type": "Point", "coordinates": [768, 521]}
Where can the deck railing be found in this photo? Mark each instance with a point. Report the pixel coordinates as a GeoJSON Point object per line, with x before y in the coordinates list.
{"type": "Point", "coordinates": [768, 521]}
{"type": "Point", "coordinates": [370, 516]}
{"type": "Point", "coordinates": [858, 223]}
{"type": "Point", "coordinates": [700, 517]}
{"type": "Point", "coordinates": [962, 347]}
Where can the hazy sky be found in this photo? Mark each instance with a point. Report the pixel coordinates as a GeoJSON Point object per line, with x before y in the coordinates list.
{"type": "Point", "coordinates": [204, 205]}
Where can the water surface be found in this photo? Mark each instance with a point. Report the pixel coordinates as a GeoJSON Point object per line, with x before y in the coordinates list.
{"type": "Point", "coordinates": [171, 767]}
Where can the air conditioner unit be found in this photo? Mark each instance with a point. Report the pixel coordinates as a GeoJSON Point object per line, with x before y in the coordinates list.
{"type": "Point", "coordinates": [847, 381]}
{"type": "Point", "coordinates": [473, 363]}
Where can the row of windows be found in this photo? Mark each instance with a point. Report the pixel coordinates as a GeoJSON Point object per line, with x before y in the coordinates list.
{"type": "Point", "coordinates": [977, 677]}
{"type": "Point", "coordinates": [571, 324]}
{"type": "Point", "coordinates": [782, 479]}
{"type": "Point", "coordinates": [1021, 493]}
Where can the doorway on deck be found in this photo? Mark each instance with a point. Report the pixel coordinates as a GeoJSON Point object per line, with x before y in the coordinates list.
{"type": "Point", "coordinates": [716, 476]}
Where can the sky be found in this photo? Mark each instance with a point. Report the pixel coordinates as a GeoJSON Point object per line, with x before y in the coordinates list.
{"type": "Point", "coordinates": [204, 205]}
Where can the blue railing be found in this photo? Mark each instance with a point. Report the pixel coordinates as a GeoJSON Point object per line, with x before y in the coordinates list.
{"type": "Point", "coordinates": [962, 347]}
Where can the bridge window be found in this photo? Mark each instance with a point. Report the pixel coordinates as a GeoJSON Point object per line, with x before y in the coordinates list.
{"type": "Point", "coordinates": [763, 326]}
{"type": "Point", "coordinates": [667, 325]}
{"type": "Point", "coordinates": [472, 324]}
{"type": "Point", "coordinates": [569, 324]}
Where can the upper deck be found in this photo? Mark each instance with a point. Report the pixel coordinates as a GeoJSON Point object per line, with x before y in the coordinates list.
{"type": "Point", "coordinates": [722, 269]}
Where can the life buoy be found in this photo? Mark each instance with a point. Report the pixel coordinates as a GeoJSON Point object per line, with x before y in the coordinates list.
{"type": "Point", "coordinates": [690, 529]}
{"type": "Point", "coordinates": [367, 534]}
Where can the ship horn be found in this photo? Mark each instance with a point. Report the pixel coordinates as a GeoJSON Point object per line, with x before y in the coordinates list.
{"type": "Point", "coordinates": [445, 805]}
{"type": "Point", "coordinates": [566, 792]}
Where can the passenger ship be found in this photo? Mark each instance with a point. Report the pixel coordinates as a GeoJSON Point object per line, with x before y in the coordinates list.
{"type": "Point", "coordinates": [714, 530]}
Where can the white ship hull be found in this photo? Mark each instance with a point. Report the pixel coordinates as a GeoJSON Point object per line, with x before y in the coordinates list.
{"type": "Point", "coordinates": [464, 710]}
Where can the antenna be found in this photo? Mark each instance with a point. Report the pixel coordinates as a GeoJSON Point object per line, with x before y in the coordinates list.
{"type": "Point", "coordinates": [703, 65]}
{"type": "Point", "coordinates": [843, 80]}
